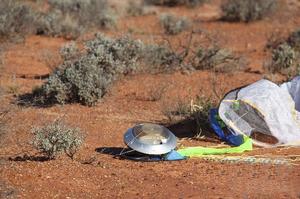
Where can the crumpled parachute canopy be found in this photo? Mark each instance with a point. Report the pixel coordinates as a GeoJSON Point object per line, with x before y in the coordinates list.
{"type": "Point", "coordinates": [264, 111]}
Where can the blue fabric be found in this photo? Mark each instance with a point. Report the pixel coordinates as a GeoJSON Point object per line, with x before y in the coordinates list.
{"type": "Point", "coordinates": [174, 155]}
{"type": "Point", "coordinates": [232, 138]}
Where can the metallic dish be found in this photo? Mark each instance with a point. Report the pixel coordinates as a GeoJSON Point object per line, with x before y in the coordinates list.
{"type": "Point", "coordinates": [150, 139]}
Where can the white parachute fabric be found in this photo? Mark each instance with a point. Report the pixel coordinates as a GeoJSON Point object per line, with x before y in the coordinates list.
{"type": "Point", "coordinates": [265, 108]}
{"type": "Point", "coordinates": [293, 87]}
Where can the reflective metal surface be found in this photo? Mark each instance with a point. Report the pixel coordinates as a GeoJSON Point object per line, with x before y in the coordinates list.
{"type": "Point", "coordinates": [150, 139]}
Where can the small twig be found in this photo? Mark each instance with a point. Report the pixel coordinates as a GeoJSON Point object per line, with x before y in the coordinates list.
{"type": "Point", "coordinates": [188, 47]}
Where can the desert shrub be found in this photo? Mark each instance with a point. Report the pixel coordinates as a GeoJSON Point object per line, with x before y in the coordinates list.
{"type": "Point", "coordinates": [76, 82]}
{"type": "Point", "coordinates": [283, 56]}
{"type": "Point", "coordinates": [189, 3]}
{"type": "Point", "coordinates": [285, 60]}
{"type": "Point", "coordinates": [87, 79]}
{"type": "Point", "coordinates": [247, 10]}
{"type": "Point", "coordinates": [161, 58]}
{"type": "Point", "coordinates": [55, 138]}
{"type": "Point", "coordinates": [173, 25]}
{"type": "Point", "coordinates": [69, 51]}
{"type": "Point", "coordinates": [68, 18]}
{"type": "Point", "coordinates": [55, 23]}
{"type": "Point", "coordinates": [15, 17]}
{"type": "Point", "coordinates": [294, 40]}
{"type": "Point", "coordinates": [119, 56]}
{"type": "Point", "coordinates": [135, 8]}
{"type": "Point", "coordinates": [90, 13]}
{"type": "Point", "coordinates": [219, 59]}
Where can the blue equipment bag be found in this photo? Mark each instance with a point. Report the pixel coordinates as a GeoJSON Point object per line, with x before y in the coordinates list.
{"type": "Point", "coordinates": [217, 126]}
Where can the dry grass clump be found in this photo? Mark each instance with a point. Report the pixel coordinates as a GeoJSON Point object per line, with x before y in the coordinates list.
{"type": "Point", "coordinates": [247, 10]}
{"type": "Point", "coordinates": [197, 111]}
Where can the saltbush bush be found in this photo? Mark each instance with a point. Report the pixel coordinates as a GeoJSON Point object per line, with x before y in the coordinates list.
{"type": "Point", "coordinates": [283, 56]}
{"type": "Point", "coordinates": [285, 60]}
{"type": "Point", "coordinates": [15, 17]}
{"type": "Point", "coordinates": [89, 13]}
{"type": "Point", "coordinates": [69, 51]}
{"type": "Point", "coordinates": [173, 25]}
{"type": "Point", "coordinates": [67, 18]}
{"type": "Point", "coordinates": [135, 8]}
{"type": "Point", "coordinates": [56, 138]}
{"type": "Point", "coordinates": [55, 23]}
{"type": "Point", "coordinates": [247, 10]}
{"type": "Point", "coordinates": [87, 79]}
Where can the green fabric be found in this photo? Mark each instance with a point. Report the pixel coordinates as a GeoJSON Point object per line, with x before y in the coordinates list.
{"type": "Point", "coordinates": [200, 151]}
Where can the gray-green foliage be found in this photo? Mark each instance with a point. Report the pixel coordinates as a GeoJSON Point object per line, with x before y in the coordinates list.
{"type": "Point", "coordinates": [283, 56]}
{"type": "Point", "coordinates": [135, 8]}
{"type": "Point", "coordinates": [116, 56]}
{"type": "Point", "coordinates": [69, 51]}
{"type": "Point", "coordinates": [15, 17]}
{"type": "Point", "coordinates": [285, 59]}
{"type": "Point", "coordinates": [247, 10]}
{"type": "Point", "coordinates": [67, 18]}
{"type": "Point", "coordinates": [95, 13]}
{"type": "Point", "coordinates": [55, 23]}
{"type": "Point", "coordinates": [87, 79]}
{"type": "Point", "coordinates": [56, 138]}
{"type": "Point", "coordinates": [173, 25]}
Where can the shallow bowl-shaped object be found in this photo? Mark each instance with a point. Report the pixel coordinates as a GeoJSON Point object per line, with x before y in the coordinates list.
{"type": "Point", "coordinates": [150, 139]}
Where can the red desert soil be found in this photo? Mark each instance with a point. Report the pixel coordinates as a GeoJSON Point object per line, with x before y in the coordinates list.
{"type": "Point", "coordinates": [126, 105]}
